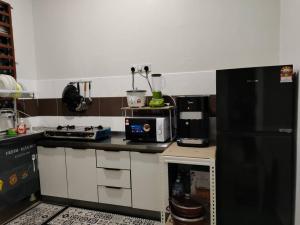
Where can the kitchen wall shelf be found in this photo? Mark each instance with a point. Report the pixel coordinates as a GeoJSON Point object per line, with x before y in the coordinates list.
{"type": "Point", "coordinates": [148, 108]}
{"type": "Point", "coordinates": [4, 13]}
{"type": "Point", "coordinates": [187, 156]}
{"type": "Point", "coordinates": [7, 52]}
{"type": "Point", "coordinates": [16, 94]}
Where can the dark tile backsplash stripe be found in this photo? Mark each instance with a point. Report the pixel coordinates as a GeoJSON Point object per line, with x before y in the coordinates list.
{"type": "Point", "coordinates": [111, 106]}
{"type": "Point", "coordinates": [101, 106]}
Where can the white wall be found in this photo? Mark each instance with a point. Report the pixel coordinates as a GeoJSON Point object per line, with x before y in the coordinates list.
{"type": "Point", "coordinates": [290, 32]}
{"type": "Point", "coordinates": [290, 53]}
{"type": "Point", "coordinates": [191, 83]}
{"type": "Point", "coordinates": [79, 38]}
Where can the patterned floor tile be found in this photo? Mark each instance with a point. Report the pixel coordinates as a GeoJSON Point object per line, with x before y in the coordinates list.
{"type": "Point", "coordinates": [37, 215]}
{"type": "Point", "coordinates": [77, 216]}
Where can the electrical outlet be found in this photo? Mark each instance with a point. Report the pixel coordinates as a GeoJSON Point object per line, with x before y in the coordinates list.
{"type": "Point", "coordinates": [140, 68]}
{"type": "Point", "coordinates": [149, 66]}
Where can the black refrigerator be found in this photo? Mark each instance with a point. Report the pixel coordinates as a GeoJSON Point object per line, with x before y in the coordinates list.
{"type": "Point", "coordinates": [256, 145]}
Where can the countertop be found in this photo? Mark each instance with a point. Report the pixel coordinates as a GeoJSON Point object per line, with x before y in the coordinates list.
{"type": "Point", "coordinates": [190, 152]}
{"type": "Point", "coordinates": [115, 143]}
{"type": "Point", "coordinates": [34, 135]}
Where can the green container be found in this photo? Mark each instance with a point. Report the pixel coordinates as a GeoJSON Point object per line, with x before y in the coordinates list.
{"type": "Point", "coordinates": [157, 94]}
{"type": "Point", "coordinates": [11, 133]}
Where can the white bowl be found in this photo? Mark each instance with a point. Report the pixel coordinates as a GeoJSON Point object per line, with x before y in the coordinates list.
{"type": "Point", "coordinates": [136, 98]}
{"type": "Point", "coordinates": [13, 82]}
{"type": "Point", "coordinates": [5, 82]}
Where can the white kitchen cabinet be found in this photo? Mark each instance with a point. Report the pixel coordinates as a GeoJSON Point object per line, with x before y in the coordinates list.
{"type": "Point", "coordinates": [52, 171]}
{"type": "Point", "coordinates": [114, 195]}
{"type": "Point", "coordinates": [113, 177]}
{"type": "Point", "coordinates": [81, 174]}
{"type": "Point", "coordinates": [113, 159]}
{"type": "Point", "coordinates": [145, 178]}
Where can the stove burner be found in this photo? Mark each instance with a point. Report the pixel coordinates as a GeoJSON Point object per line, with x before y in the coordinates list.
{"type": "Point", "coordinates": [68, 127]}
{"type": "Point", "coordinates": [92, 128]}
{"type": "Point", "coordinates": [88, 128]}
{"type": "Point", "coordinates": [79, 132]}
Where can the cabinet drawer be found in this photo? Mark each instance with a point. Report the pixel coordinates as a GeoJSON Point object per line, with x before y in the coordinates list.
{"type": "Point", "coordinates": [114, 196]}
{"type": "Point", "coordinates": [113, 177]}
{"type": "Point", "coordinates": [113, 159]}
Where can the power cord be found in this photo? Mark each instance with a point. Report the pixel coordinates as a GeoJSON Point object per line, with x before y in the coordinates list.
{"type": "Point", "coordinates": [132, 72]}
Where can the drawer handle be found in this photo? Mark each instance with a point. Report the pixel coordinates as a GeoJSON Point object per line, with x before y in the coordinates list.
{"type": "Point", "coordinates": [148, 153]}
{"type": "Point", "coordinates": [111, 150]}
{"type": "Point", "coordinates": [111, 187]}
{"type": "Point", "coordinates": [79, 148]}
{"type": "Point", "coordinates": [48, 147]}
{"type": "Point", "coordinates": [112, 169]}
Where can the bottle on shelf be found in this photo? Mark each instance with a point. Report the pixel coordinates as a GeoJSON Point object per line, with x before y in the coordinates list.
{"type": "Point", "coordinates": [178, 188]}
{"type": "Point", "coordinates": [21, 129]}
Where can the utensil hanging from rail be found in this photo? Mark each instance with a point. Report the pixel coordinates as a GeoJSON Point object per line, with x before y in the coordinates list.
{"type": "Point", "coordinates": [90, 93]}
{"type": "Point", "coordinates": [73, 98]}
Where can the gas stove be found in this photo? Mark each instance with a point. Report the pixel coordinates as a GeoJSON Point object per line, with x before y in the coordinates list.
{"type": "Point", "coordinates": [79, 132]}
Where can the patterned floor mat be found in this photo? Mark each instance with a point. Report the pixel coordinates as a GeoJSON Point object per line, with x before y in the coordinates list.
{"type": "Point", "coordinates": [37, 215]}
{"type": "Point", "coordinates": [77, 216]}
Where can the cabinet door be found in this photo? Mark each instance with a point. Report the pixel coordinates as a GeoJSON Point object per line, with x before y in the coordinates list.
{"type": "Point", "coordinates": [81, 174]}
{"type": "Point", "coordinates": [52, 170]}
{"type": "Point", "coordinates": [145, 176]}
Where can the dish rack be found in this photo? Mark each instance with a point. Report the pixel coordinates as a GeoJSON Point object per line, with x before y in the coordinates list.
{"type": "Point", "coordinates": [15, 95]}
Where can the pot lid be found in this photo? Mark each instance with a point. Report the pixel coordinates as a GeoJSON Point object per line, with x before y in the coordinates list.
{"type": "Point", "coordinates": [186, 202]}
{"type": "Point", "coordinates": [156, 75]}
{"type": "Point", "coordinates": [132, 91]}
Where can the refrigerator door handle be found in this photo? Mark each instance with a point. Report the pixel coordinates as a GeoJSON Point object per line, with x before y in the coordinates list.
{"type": "Point", "coordinates": [284, 130]}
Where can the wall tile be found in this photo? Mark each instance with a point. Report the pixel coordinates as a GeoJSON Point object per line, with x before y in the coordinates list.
{"type": "Point", "coordinates": [30, 106]}
{"type": "Point", "coordinates": [212, 105]}
{"type": "Point", "coordinates": [93, 109]}
{"type": "Point", "coordinates": [47, 107]}
{"type": "Point", "coordinates": [111, 106]}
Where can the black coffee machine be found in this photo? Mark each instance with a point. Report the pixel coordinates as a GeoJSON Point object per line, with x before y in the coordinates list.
{"type": "Point", "coordinates": [193, 121]}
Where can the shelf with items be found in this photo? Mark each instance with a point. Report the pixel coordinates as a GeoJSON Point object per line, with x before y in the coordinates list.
{"type": "Point", "coordinates": [148, 108]}
{"type": "Point", "coordinates": [7, 54]}
{"type": "Point", "coordinates": [194, 164]}
{"type": "Point", "coordinates": [3, 24]}
{"type": "Point", "coordinates": [169, 109]}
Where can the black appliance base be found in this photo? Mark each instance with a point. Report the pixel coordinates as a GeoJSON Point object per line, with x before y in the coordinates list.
{"type": "Point", "coordinates": [204, 144]}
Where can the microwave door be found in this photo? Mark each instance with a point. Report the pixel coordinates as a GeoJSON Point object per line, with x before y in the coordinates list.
{"type": "Point", "coordinates": [140, 129]}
